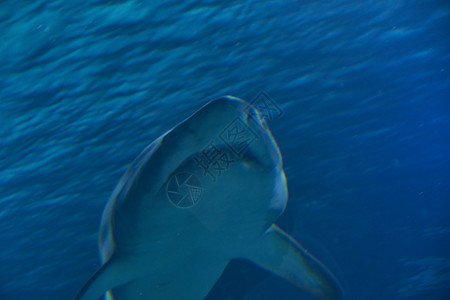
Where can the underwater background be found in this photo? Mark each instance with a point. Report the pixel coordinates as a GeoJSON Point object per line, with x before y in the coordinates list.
{"type": "Point", "coordinates": [364, 93]}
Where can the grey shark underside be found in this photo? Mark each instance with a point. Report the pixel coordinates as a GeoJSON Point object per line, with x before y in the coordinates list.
{"type": "Point", "coordinates": [204, 193]}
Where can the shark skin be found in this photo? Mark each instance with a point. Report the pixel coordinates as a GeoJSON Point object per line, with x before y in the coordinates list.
{"type": "Point", "coordinates": [205, 192]}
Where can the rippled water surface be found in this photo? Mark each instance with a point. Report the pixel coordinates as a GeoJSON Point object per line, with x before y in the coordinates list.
{"type": "Point", "coordinates": [363, 85]}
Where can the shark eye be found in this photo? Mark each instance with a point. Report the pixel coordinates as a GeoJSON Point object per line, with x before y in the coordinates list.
{"type": "Point", "coordinates": [254, 115]}
{"type": "Point", "coordinates": [264, 124]}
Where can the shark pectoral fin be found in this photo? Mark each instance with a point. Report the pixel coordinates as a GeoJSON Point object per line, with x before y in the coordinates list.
{"type": "Point", "coordinates": [110, 275]}
{"type": "Point", "coordinates": [281, 254]}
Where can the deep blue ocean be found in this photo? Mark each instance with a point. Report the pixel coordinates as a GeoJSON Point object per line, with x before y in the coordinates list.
{"type": "Point", "coordinates": [364, 91]}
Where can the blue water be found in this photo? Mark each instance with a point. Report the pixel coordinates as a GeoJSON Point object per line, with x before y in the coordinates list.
{"type": "Point", "coordinates": [365, 132]}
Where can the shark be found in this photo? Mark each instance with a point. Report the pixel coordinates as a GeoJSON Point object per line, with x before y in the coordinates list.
{"type": "Point", "coordinates": [204, 193]}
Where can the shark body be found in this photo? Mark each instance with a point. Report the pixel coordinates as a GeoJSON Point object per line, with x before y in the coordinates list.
{"type": "Point", "coordinates": [206, 192]}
